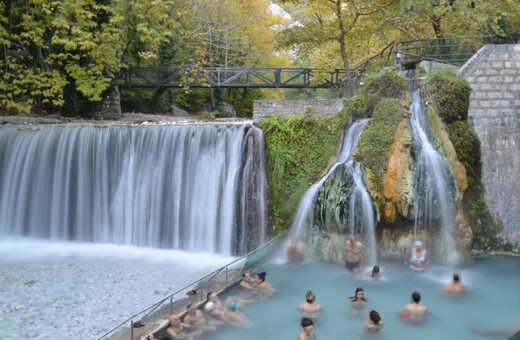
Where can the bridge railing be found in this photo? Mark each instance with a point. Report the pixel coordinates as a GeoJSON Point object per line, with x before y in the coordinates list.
{"type": "Point", "coordinates": [240, 77]}
{"type": "Point", "coordinates": [218, 280]}
{"type": "Point", "coordinates": [450, 50]}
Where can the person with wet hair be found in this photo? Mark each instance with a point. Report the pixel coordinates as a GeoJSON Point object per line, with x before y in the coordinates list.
{"type": "Point", "coordinates": [358, 302]}
{"type": "Point", "coordinates": [310, 308]}
{"type": "Point", "coordinates": [415, 312]}
{"type": "Point", "coordinates": [372, 325]}
{"type": "Point", "coordinates": [308, 330]}
{"type": "Point", "coordinates": [374, 271]}
{"type": "Point", "coordinates": [264, 286]}
{"type": "Point", "coordinates": [455, 288]}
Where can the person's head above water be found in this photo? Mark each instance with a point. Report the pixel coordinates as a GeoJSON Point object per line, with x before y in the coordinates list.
{"type": "Point", "coordinates": [174, 320]}
{"type": "Point", "coordinates": [306, 322]}
{"type": "Point", "coordinates": [374, 316]}
{"type": "Point", "coordinates": [456, 278]}
{"type": "Point", "coordinates": [260, 277]}
{"type": "Point", "coordinates": [310, 297]}
{"type": "Point", "coordinates": [352, 238]}
{"type": "Point", "coordinates": [359, 295]}
{"type": "Point", "coordinates": [246, 276]}
{"type": "Point", "coordinates": [375, 270]}
{"type": "Point", "coordinates": [416, 297]}
{"type": "Point", "coordinates": [418, 244]}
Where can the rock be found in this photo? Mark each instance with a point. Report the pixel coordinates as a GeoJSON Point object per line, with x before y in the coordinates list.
{"type": "Point", "coordinates": [398, 188]}
{"type": "Point", "coordinates": [449, 151]}
{"type": "Point", "coordinates": [178, 112]}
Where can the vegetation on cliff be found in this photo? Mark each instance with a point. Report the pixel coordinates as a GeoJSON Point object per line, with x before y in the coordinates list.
{"type": "Point", "coordinates": [381, 98]}
{"type": "Point", "coordinates": [450, 96]}
{"type": "Point", "coordinates": [297, 152]}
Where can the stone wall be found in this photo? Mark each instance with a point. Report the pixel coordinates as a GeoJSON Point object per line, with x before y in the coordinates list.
{"type": "Point", "coordinates": [111, 106]}
{"type": "Point", "coordinates": [494, 111]}
{"type": "Point", "coordinates": [321, 107]}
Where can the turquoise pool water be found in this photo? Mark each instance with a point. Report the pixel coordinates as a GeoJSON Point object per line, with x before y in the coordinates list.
{"type": "Point", "coordinates": [492, 304]}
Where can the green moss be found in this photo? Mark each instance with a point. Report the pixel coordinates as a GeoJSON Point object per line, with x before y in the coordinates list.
{"type": "Point", "coordinates": [390, 85]}
{"type": "Point", "coordinates": [450, 96]}
{"type": "Point", "coordinates": [485, 228]}
{"type": "Point", "coordinates": [467, 146]}
{"type": "Point", "coordinates": [297, 153]}
{"type": "Point", "coordinates": [377, 138]}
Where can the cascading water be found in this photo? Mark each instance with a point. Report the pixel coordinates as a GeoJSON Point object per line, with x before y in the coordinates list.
{"type": "Point", "coordinates": [164, 186]}
{"type": "Point", "coordinates": [361, 211]}
{"type": "Point", "coordinates": [359, 200]}
{"type": "Point", "coordinates": [435, 189]}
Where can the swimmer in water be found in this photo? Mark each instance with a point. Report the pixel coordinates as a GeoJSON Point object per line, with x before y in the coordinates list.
{"type": "Point", "coordinates": [310, 308]}
{"type": "Point", "coordinates": [354, 255]}
{"type": "Point", "coordinates": [358, 302]}
{"type": "Point", "coordinates": [374, 271]}
{"type": "Point", "coordinates": [455, 288]}
{"type": "Point", "coordinates": [415, 312]}
{"type": "Point", "coordinates": [308, 330]}
{"type": "Point", "coordinates": [372, 325]}
{"type": "Point", "coordinates": [295, 251]}
{"type": "Point", "coordinates": [176, 329]}
{"type": "Point", "coordinates": [418, 258]}
{"type": "Point", "coordinates": [247, 283]}
{"type": "Point", "coordinates": [263, 285]}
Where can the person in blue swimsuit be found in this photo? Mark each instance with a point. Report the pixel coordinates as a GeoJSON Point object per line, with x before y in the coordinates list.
{"type": "Point", "coordinates": [418, 258]}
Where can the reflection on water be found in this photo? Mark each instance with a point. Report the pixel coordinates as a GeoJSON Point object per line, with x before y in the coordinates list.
{"type": "Point", "coordinates": [492, 303]}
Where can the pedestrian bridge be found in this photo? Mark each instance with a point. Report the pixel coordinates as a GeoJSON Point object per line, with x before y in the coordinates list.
{"type": "Point", "coordinates": [229, 77]}
{"type": "Point", "coordinates": [452, 50]}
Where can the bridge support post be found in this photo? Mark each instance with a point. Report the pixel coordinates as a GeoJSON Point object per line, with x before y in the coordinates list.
{"type": "Point", "coordinates": [111, 107]}
{"type": "Point", "coordinates": [395, 53]}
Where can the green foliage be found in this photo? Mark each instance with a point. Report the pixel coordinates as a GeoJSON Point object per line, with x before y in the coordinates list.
{"type": "Point", "coordinates": [467, 146]}
{"type": "Point", "coordinates": [190, 100]}
{"type": "Point", "coordinates": [297, 151]}
{"type": "Point", "coordinates": [390, 84]}
{"type": "Point", "coordinates": [243, 100]}
{"type": "Point", "coordinates": [484, 227]}
{"type": "Point", "coordinates": [450, 95]}
{"type": "Point", "coordinates": [377, 138]}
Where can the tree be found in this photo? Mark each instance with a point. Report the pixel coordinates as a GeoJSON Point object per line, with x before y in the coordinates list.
{"type": "Point", "coordinates": [77, 44]}
{"type": "Point", "coordinates": [337, 25]}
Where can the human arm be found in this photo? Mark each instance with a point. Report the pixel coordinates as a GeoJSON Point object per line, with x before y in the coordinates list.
{"type": "Point", "coordinates": [174, 334]}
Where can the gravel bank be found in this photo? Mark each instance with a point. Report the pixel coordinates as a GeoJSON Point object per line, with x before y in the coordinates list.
{"type": "Point", "coordinates": [80, 291]}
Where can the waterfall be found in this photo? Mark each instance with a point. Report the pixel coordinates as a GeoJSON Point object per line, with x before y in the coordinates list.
{"type": "Point", "coordinates": [163, 186]}
{"type": "Point", "coordinates": [435, 189]}
{"type": "Point", "coordinates": [361, 211]}
{"type": "Point", "coordinates": [359, 200]}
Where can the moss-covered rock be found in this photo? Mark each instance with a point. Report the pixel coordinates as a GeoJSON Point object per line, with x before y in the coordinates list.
{"type": "Point", "coordinates": [467, 146]}
{"type": "Point", "coordinates": [375, 144]}
{"type": "Point", "coordinates": [298, 151]}
{"type": "Point", "coordinates": [450, 97]}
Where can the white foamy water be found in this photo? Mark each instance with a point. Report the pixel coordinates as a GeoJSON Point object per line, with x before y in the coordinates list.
{"type": "Point", "coordinates": [80, 291]}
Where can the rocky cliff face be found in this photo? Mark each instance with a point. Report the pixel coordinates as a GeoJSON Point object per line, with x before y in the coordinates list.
{"type": "Point", "coordinates": [389, 178]}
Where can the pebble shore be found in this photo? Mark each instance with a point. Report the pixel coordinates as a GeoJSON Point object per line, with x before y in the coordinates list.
{"type": "Point", "coordinates": [81, 291]}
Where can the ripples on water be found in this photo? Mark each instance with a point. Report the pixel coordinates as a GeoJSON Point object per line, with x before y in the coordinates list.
{"type": "Point", "coordinates": [491, 305]}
